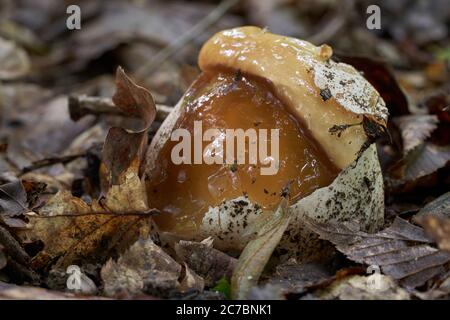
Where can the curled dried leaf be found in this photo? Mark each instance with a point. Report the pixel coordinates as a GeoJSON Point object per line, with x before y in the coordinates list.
{"type": "Point", "coordinates": [124, 147]}
{"type": "Point", "coordinates": [258, 251]}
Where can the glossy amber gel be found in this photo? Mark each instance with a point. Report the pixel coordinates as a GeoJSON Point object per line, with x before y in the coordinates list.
{"type": "Point", "coordinates": [225, 100]}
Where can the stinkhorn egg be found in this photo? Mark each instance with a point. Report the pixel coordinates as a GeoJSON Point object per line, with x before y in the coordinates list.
{"type": "Point", "coordinates": [282, 97]}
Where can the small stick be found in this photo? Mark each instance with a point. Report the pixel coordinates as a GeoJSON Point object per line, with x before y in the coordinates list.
{"type": "Point", "coordinates": [12, 247]}
{"type": "Point", "coordinates": [80, 106]}
{"type": "Point", "coordinates": [51, 161]}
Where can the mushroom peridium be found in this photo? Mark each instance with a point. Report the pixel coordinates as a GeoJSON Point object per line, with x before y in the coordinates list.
{"type": "Point", "coordinates": [252, 78]}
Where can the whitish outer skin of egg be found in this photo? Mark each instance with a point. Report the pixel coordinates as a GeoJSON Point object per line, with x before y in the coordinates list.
{"type": "Point", "coordinates": [356, 193]}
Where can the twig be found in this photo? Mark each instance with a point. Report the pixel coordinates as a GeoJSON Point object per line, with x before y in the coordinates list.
{"type": "Point", "coordinates": [179, 43]}
{"type": "Point", "coordinates": [51, 161]}
{"type": "Point", "coordinates": [12, 247]}
{"type": "Point", "coordinates": [80, 106]}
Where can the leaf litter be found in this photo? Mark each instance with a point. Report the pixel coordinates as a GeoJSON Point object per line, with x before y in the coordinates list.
{"type": "Point", "coordinates": [65, 200]}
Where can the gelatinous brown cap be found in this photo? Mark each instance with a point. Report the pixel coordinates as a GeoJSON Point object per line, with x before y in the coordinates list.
{"type": "Point", "coordinates": [322, 94]}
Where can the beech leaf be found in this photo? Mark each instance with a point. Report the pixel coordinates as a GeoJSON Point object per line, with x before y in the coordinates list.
{"type": "Point", "coordinates": [420, 162]}
{"type": "Point", "coordinates": [403, 251]}
{"type": "Point", "coordinates": [415, 129]}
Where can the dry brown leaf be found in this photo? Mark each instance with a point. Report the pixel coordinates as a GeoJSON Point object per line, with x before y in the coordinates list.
{"type": "Point", "coordinates": [258, 251]}
{"type": "Point", "coordinates": [123, 150]}
{"type": "Point", "coordinates": [403, 251]}
{"type": "Point", "coordinates": [415, 129]}
{"type": "Point", "coordinates": [75, 232]}
{"type": "Point", "coordinates": [206, 261]}
{"type": "Point", "coordinates": [144, 267]}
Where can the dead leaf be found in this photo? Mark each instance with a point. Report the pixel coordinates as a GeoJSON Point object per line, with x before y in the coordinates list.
{"type": "Point", "coordinates": [258, 251]}
{"type": "Point", "coordinates": [403, 251]}
{"type": "Point", "coordinates": [440, 205]}
{"type": "Point", "coordinates": [144, 267]}
{"type": "Point", "coordinates": [296, 278]}
{"type": "Point", "coordinates": [438, 228]}
{"type": "Point", "coordinates": [14, 61]}
{"type": "Point", "coordinates": [206, 261]}
{"type": "Point", "coordinates": [441, 292]}
{"type": "Point", "coordinates": [415, 129]}
{"type": "Point", "coordinates": [124, 191]}
{"type": "Point", "coordinates": [13, 199]}
{"type": "Point", "coordinates": [123, 150]}
{"type": "Point", "coordinates": [191, 281]}
{"type": "Point", "coordinates": [420, 162]}
{"type": "Point", "coordinates": [75, 232]}
{"type": "Point", "coordinates": [359, 288]}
